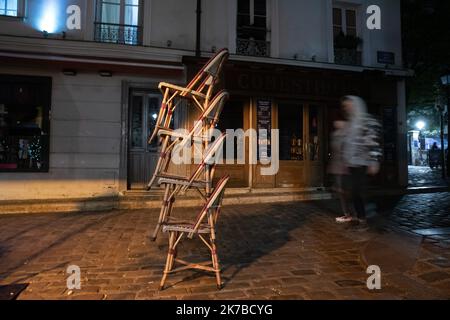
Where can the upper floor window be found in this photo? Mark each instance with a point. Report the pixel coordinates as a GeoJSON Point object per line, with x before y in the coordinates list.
{"type": "Point", "coordinates": [119, 21]}
{"type": "Point", "coordinates": [344, 21]}
{"type": "Point", "coordinates": [11, 8]}
{"type": "Point", "coordinates": [252, 31]}
{"type": "Point", "coordinates": [346, 40]}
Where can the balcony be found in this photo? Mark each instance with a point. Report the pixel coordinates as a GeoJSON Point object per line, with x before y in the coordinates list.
{"type": "Point", "coordinates": [118, 33]}
{"type": "Point", "coordinates": [351, 57]}
{"type": "Point", "coordinates": [251, 47]}
{"type": "Point", "coordinates": [346, 49]}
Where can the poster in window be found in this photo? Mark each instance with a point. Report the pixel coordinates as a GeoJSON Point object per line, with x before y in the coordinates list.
{"type": "Point", "coordinates": [264, 127]}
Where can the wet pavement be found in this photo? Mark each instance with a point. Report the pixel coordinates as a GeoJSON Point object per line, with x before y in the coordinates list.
{"type": "Point", "coordinates": [278, 251]}
{"type": "Point", "coordinates": [425, 176]}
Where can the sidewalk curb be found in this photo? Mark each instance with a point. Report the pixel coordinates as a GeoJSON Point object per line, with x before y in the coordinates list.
{"type": "Point", "coordinates": [144, 200]}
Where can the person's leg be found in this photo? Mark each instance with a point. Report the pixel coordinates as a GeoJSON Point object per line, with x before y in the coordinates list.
{"type": "Point", "coordinates": [358, 190]}
{"type": "Point", "coordinates": [341, 191]}
{"type": "Point", "coordinates": [341, 194]}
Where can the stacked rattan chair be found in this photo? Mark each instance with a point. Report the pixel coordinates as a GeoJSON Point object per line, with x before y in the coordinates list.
{"type": "Point", "coordinates": [201, 94]}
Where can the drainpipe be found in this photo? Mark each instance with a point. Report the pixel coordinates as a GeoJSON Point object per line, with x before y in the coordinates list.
{"type": "Point", "coordinates": [199, 28]}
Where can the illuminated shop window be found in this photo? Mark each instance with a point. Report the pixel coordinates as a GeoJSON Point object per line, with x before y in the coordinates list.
{"type": "Point", "coordinates": [119, 21]}
{"type": "Point", "coordinates": [24, 124]}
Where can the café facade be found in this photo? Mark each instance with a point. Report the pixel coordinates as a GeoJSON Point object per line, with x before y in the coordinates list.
{"type": "Point", "coordinates": [302, 103]}
{"type": "Point", "coordinates": [77, 106]}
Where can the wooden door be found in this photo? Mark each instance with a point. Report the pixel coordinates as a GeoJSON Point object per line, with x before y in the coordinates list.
{"type": "Point", "coordinates": [291, 122]}
{"type": "Point", "coordinates": [144, 108]}
{"type": "Point", "coordinates": [301, 145]}
{"type": "Point", "coordinates": [315, 147]}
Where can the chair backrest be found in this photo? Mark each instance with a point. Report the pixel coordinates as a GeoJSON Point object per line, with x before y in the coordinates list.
{"type": "Point", "coordinates": [203, 83]}
{"type": "Point", "coordinates": [214, 201]}
{"type": "Point", "coordinates": [208, 157]}
{"type": "Point", "coordinates": [212, 113]}
{"type": "Point", "coordinates": [216, 107]}
{"type": "Point", "coordinates": [207, 76]}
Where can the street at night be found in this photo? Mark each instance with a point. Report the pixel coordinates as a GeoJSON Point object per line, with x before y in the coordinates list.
{"type": "Point", "coordinates": [288, 251]}
{"type": "Point", "coordinates": [224, 158]}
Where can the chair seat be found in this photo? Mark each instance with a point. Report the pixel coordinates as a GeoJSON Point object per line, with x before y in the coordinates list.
{"type": "Point", "coordinates": [181, 181]}
{"type": "Point", "coordinates": [164, 132]}
{"type": "Point", "coordinates": [187, 227]}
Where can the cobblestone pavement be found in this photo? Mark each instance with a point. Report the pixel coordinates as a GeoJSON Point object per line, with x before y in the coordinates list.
{"type": "Point", "coordinates": [425, 176]}
{"type": "Point", "coordinates": [279, 251]}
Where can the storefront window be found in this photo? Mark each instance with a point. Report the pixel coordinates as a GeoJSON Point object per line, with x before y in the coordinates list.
{"type": "Point", "coordinates": [290, 123]}
{"type": "Point", "coordinates": [24, 124]}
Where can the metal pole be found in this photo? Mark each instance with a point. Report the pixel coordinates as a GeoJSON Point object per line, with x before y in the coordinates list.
{"type": "Point", "coordinates": [448, 127]}
{"type": "Point", "coordinates": [442, 143]}
{"type": "Point", "coordinates": [199, 29]}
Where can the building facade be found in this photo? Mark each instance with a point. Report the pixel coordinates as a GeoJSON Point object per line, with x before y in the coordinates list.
{"type": "Point", "coordinates": [78, 86]}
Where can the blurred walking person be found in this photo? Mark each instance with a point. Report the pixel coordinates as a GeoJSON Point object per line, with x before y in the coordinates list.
{"type": "Point", "coordinates": [339, 170]}
{"type": "Point", "coordinates": [361, 152]}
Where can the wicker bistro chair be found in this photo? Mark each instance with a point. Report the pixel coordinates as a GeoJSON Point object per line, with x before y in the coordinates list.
{"type": "Point", "coordinates": [170, 138]}
{"type": "Point", "coordinates": [178, 229]}
{"type": "Point", "coordinates": [199, 91]}
{"type": "Point", "coordinates": [200, 180]}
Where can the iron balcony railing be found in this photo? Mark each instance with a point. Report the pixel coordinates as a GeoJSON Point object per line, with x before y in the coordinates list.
{"type": "Point", "coordinates": [251, 47]}
{"type": "Point", "coordinates": [350, 57]}
{"type": "Point", "coordinates": [118, 33]}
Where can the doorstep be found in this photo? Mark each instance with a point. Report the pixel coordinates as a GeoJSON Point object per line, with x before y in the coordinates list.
{"type": "Point", "coordinates": [65, 205]}
{"type": "Point", "coordinates": [132, 200]}
{"type": "Point", "coordinates": [135, 200]}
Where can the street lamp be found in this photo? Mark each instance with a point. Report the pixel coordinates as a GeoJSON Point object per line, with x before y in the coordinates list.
{"type": "Point", "coordinates": [420, 125]}
{"type": "Point", "coordinates": [445, 80]}
{"type": "Point", "coordinates": [440, 109]}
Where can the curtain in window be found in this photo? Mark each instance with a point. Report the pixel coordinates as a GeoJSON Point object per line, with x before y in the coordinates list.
{"type": "Point", "coordinates": [110, 11]}
{"type": "Point", "coordinates": [132, 12]}
{"type": "Point", "coordinates": [119, 21]}
{"type": "Point", "coordinates": [9, 8]}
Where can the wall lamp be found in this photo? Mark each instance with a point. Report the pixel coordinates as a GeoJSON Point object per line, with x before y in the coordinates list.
{"type": "Point", "coordinates": [105, 73]}
{"type": "Point", "coordinates": [69, 72]}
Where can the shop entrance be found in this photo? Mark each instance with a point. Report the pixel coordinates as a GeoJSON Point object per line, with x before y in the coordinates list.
{"type": "Point", "coordinates": [144, 108]}
{"type": "Point", "coordinates": [301, 145]}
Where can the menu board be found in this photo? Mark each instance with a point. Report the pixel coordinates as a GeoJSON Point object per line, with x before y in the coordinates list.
{"type": "Point", "coordinates": [264, 123]}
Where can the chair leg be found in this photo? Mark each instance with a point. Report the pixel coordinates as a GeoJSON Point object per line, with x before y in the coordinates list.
{"type": "Point", "coordinates": [162, 214]}
{"type": "Point", "coordinates": [159, 164]}
{"type": "Point", "coordinates": [174, 251]}
{"type": "Point", "coordinates": [151, 183]}
{"type": "Point", "coordinates": [216, 264]}
{"type": "Point", "coordinates": [169, 262]}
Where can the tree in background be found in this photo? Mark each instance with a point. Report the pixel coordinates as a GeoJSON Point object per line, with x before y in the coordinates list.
{"type": "Point", "coordinates": [426, 48]}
